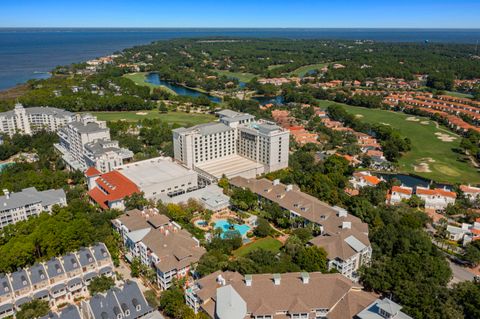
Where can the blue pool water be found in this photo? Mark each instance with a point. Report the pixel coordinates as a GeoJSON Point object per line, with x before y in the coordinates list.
{"type": "Point", "coordinates": [4, 165]}
{"type": "Point", "coordinates": [225, 226]}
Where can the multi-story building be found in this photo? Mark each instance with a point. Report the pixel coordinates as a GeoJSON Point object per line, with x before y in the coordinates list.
{"type": "Point", "coordinates": [15, 207]}
{"type": "Point", "coordinates": [364, 179]}
{"type": "Point", "coordinates": [126, 301]}
{"type": "Point", "coordinates": [471, 193]}
{"type": "Point", "coordinates": [22, 120]}
{"type": "Point", "coordinates": [229, 295]}
{"type": "Point", "coordinates": [398, 194]}
{"type": "Point", "coordinates": [109, 190]}
{"type": "Point", "coordinates": [58, 280]}
{"type": "Point", "coordinates": [237, 145]}
{"type": "Point", "coordinates": [343, 236]}
{"type": "Point", "coordinates": [86, 142]}
{"type": "Point", "coordinates": [383, 308]}
{"type": "Point", "coordinates": [438, 198]}
{"type": "Point", "coordinates": [159, 243]}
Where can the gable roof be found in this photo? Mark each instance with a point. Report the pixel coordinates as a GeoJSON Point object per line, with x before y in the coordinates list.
{"type": "Point", "coordinates": [112, 186]}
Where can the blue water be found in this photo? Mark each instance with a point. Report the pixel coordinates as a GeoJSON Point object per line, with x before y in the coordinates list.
{"type": "Point", "coordinates": [4, 165]}
{"type": "Point", "coordinates": [26, 51]}
{"type": "Point", "coordinates": [155, 78]}
{"type": "Point", "coordinates": [225, 226]}
{"type": "Point", "coordinates": [413, 181]}
{"type": "Point", "coordinates": [269, 99]}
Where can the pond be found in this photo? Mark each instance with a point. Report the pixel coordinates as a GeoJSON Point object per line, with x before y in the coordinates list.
{"type": "Point", "coordinates": [412, 181]}
{"type": "Point", "coordinates": [269, 99]}
{"type": "Point", "coordinates": [225, 227]}
{"type": "Point", "coordinates": [154, 78]}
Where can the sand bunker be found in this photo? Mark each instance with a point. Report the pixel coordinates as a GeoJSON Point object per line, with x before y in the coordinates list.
{"type": "Point", "coordinates": [412, 119]}
{"type": "Point", "coordinates": [141, 113]}
{"type": "Point", "coordinates": [383, 123]}
{"type": "Point", "coordinates": [422, 168]}
{"type": "Point", "coordinates": [359, 116]}
{"type": "Point", "coordinates": [424, 122]}
{"type": "Point", "coordinates": [445, 137]}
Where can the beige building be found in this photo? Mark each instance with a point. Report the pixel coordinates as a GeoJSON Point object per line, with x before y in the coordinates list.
{"type": "Point", "coordinates": [237, 145]}
{"type": "Point", "coordinates": [342, 235]}
{"type": "Point", "coordinates": [22, 120]}
{"type": "Point", "coordinates": [160, 243]}
{"type": "Point", "coordinates": [86, 142]}
{"type": "Point", "coordinates": [229, 295]}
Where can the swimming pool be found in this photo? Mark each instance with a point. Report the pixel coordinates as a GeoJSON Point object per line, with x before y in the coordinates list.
{"type": "Point", "coordinates": [201, 223]}
{"type": "Point", "coordinates": [225, 226]}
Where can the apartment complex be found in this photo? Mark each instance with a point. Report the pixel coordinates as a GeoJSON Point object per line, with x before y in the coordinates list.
{"type": "Point", "coordinates": [438, 198]}
{"type": "Point", "coordinates": [15, 207]}
{"type": "Point", "coordinates": [22, 120]}
{"type": "Point", "coordinates": [86, 142]}
{"type": "Point", "coordinates": [58, 280]}
{"type": "Point", "coordinates": [159, 243]}
{"type": "Point", "coordinates": [397, 194]}
{"type": "Point", "coordinates": [229, 295]}
{"type": "Point", "coordinates": [343, 236]}
{"type": "Point", "coordinates": [237, 145]}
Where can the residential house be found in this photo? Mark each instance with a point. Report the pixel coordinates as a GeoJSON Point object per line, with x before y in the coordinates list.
{"type": "Point", "coordinates": [398, 194]}
{"type": "Point", "coordinates": [381, 309]}
{"type": "Point", "coordinates": [438, 198]}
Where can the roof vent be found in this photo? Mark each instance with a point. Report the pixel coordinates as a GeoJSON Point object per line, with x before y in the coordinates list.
{"type": "Point", "coordinates": [276, 182]}
{"type": "Point", "coordinates": [305, 277]}
{"type": "Point", "coordinates": [276, 279]}
{"type": "Point", "coordinates": [346, 225]}
{"type": "Point", "coordinates": [289, 187]}
{"type": "Point", "coordinates": [248, 280]}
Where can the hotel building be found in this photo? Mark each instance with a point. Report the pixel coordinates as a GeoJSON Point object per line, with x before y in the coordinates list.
{"type": "Point", "coordinates": [237, 145]}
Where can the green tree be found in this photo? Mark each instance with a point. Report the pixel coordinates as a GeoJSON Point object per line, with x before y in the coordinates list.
{"type": "Point", "coordinates": [135, 201]}
{"type": "Point", "coordinates": [152, 299]}
{"type": "Point", "coordinates": [135, 267]}
{"type": "Point", "coordinates": [312, 258]}
{"type": "Point", "coordinates": [33, 309]}
{"type": "Point", "coordinates": [100, 284]}
{"type": "Point", "coordinates": [263, 228]}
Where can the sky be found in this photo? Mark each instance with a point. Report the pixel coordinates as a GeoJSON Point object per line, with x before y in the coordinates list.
{"type": "Point", "coordinates": [242, 13]}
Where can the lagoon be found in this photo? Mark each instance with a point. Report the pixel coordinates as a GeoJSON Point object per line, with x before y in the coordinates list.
{"type": "Point", "coordinates": [154, 78]}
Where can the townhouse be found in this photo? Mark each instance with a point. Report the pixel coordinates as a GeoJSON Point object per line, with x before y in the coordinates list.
{"type": "Point", "coordinates": [336, 228]}
{"type": "Point", "coordinates": [465, 233]}
{"type": "Point", "coordinates": [30, 120]}
{"type": "Point", "coordinates": [58, 280]}
{"type": "Point", "coordinates": [229, 295]}
{"type": "Point", "coordinates": [397, 194]}
{"type": "Point", "coordinates": [159, 243]}
{"type": "Point", "coordinates": [15, 207]}
{"type": "Point", "coordinates": [471, 193]}
{"type": "Point", "coordinates": [438, 198]}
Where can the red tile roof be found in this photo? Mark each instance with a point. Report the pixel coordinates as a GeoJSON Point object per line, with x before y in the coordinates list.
{"type": "Point", "coordinates": [112, 186]}
{"type": "Point", "coordinates": [436, 191]}
{"type": "Point", "coordinates": [469, 189]}
{"type": "Point", "coordinates": [403, 190]}
{"type": "Point", "coordinates": [92, 171]}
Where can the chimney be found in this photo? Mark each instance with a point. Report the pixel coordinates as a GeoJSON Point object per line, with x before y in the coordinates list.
{"type": "Point", "coordinates": [340, 211]}
{"type": "Point", "coordinates": [346, 225]}
{"type": "Point", "coordinates": [276, 182]}
{"type": "Point", "coordinates": [6, 193]}
{"type": "Point", "coordinates": [289, 187]}
{"type": "Point", "coordinates": [248, 280]}
{"type": "Point", "coordinates": [220, 280]}
{"type": "Point", "coordinates": [305, 277]}
{"type": "Point", "coordinates": [166, 232]}
{"type": "Point", "coordinates": [276, 279]}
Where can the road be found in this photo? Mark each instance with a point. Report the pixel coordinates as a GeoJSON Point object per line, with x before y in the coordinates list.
{"type": "Point", "coordinates": [459, 273]}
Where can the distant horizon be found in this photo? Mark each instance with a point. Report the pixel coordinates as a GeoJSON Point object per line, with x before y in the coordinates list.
{"type": "Point", "coordinates": [347, 14]}
{"type": "Point", "coordinates": [256, 28]}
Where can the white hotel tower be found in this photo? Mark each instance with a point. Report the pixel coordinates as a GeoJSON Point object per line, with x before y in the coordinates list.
{"type": "Point", "coordinates": [237, 145]}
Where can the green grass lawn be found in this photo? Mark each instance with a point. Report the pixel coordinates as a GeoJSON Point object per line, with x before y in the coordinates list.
{"type": "Point", "coordinates": [242, 77]}
{"type": "Point", "coordinates": [458, 94]}
{"type": "Point", "coordinates": [445, 165]}
{"type": "Point", "coordinates": [139, 79]}
{"type": "Point", "coordinates": [182, 118]}
{"type": "Point", "coordinates": [301, 71]}
{"type": "Point", "coordinates": [275, 66]}
{"type": "Point", "coordinates": [267, 243]}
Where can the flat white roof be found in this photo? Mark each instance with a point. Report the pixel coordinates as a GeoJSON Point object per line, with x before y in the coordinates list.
{"type": "Point", "coordinates": [153, 171]}
{"type": "Point", "coordinates": [230, 166]}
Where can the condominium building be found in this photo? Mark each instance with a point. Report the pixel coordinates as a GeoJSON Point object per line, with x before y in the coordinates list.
{"type": "Point", "coordinates": [22, 120]}
{"type": "Point", "coordinates": [57, 281]}
{"type": "Point", "coordinates": [229, 295]}
{"type": "Point", "coordinates": [159, 243]}
{"type": "Point", "coordinates": [471, 193]}
{"type": "Point", "coordinates": [438, 198]}
{"type": "Point", "coordinates": [15, 207]}
{"type": "Point", "coordinates": [86, 142]}
{"type": "Point", "coordinates": [237, 145]}
{"type": "Point", "coordinates": [342, 235]}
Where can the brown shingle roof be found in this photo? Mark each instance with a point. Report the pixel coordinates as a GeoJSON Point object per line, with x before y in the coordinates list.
{"type": "Point", "coordinates": [263, 297]}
